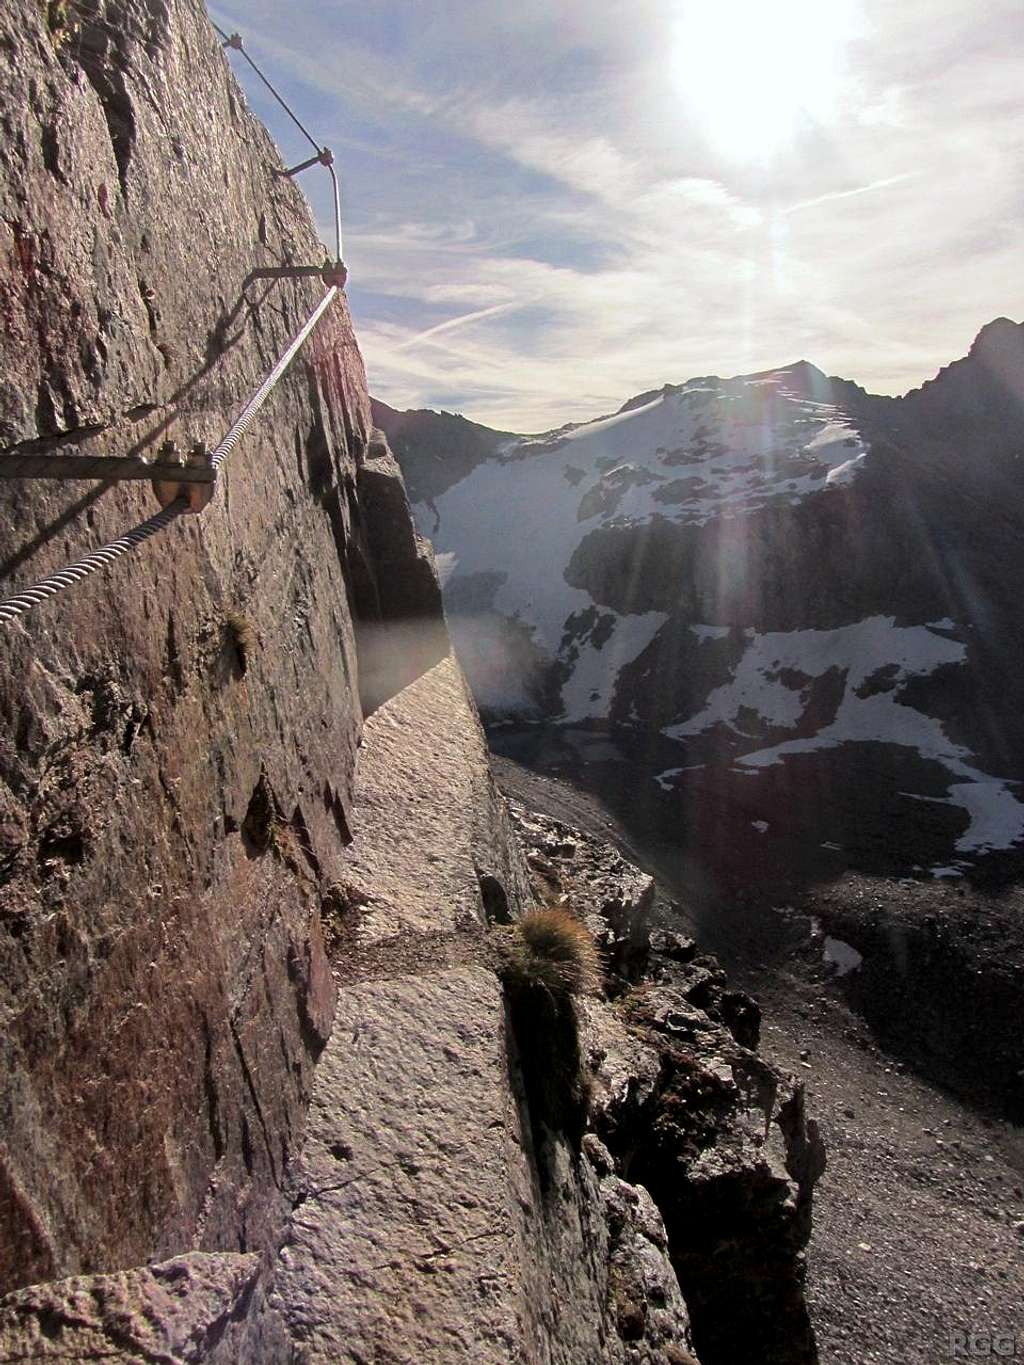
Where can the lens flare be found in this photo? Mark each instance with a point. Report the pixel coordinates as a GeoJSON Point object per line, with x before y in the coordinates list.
{"type": "Point", "coordinates": [752, 75]}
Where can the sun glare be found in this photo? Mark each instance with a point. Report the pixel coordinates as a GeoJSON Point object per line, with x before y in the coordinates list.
{"type": "Point", "coordinates": [752, 73]}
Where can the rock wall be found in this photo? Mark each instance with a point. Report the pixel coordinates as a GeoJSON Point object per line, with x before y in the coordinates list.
{"type": "Point", "coordinates": [178, 735]}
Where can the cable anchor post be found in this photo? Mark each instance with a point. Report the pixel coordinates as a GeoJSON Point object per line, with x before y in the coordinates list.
{"type": "Point", "coordinates": [334, 274]}
{"type": "Point", "coordinates": [197, 495]}
{"type": "Point", "coordinates": [324, 157]}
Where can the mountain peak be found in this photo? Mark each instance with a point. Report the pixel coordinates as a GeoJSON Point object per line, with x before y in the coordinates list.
{"type": "Point", "coordinates": [803, 366]}
{"type": "Point", "coordinates": [986, 388]}
{"type": "Point", "coordinates": [999, 335]}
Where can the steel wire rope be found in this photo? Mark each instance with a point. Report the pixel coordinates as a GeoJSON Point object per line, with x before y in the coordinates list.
{"type": "Point", "coordinates": [234, 41]}
{"type": "Point", "coordinates": [19, 603]}
{"type": "Point", "coordinates": [16, 605]}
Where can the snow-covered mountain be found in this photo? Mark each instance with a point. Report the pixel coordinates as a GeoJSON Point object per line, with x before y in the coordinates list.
{"type": "Point", "coordinates": [781, 582]}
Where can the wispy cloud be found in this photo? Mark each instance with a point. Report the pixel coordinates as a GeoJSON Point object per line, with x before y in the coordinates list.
{"type": "Point", "coordinates": [547, 211]}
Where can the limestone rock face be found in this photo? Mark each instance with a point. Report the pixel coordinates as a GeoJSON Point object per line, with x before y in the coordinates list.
{"type": "Point", "coordinates": [178, 735]}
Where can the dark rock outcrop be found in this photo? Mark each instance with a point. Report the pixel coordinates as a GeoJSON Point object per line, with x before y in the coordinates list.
{"type": "Point", "coordinates": [940, 980]}
{"type": "Point", "coordinates": [435, 449]}
{"type": "Point", "coordinates": [721, 1141]}
{"type": "Point", "coordinates": [404, 632]}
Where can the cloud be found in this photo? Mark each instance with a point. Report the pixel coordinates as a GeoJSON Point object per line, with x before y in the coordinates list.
{"type": "Point", "coordinates": [546, 211]}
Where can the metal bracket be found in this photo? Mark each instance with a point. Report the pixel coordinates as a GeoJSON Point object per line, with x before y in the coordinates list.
{"type": "Point", "coordinates": [331, 272]}
{"type": "Point", "coordinates": [106, 467]}
{"type": "Point", "coordinates": [172, 474]}
{"type": "Point", "coordinates": [194, 478]}
{"type": "Point", "coordinates": [325, 157]}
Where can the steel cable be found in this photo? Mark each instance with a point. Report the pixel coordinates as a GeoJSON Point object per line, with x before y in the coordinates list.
{"type": "Point", "coordinates": [244, 419]}
{"type": "Point", "coordinates": [13, 607]}
{"type": "Point", "coordinates": [234, 41]}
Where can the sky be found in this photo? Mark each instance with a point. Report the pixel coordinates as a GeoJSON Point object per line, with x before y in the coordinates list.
{"type": "Point", "coordinates": [553, 205]}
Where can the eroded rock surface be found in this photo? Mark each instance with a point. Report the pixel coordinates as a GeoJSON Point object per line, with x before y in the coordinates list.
{"type": "Point", "coordinates": [404, 1241]}
{"type": "Point", "coordinates": [691, 1113]}
{"type": "Point", "coordinates": [613, 897]}
{"type": "Point", "coordinates": [433, 848]}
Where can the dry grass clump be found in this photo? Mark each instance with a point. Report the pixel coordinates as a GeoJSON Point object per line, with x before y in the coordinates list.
{"type": "Point", "coordinates": [243, 637]}
{"type": "Point", "coordinates": [552, 949]}
{"type": "Point", "coordinates": [341, 907]}
{"type": "Point", "coordinates": [284, 842]}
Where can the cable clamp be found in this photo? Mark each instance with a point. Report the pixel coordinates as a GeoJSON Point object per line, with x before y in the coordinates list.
{"type": "Point", "coordinates": [197, 495]}
{"type": "Point", "coordinates": [336, 274]}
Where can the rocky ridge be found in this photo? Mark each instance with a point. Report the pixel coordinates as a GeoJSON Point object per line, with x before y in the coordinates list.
{"type": "Point", "coordinates": [684, 1105]}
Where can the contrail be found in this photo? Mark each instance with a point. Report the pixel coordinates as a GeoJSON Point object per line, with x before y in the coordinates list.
{"type": "Point", "coordinates": [848, 194]}
{"type": "Point", "coordinates": [452, 323]}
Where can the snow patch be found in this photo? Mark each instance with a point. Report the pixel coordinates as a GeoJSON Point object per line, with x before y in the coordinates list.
{"type": "Point", "coordinates": [665, 779]}
{"type": "Point", "coordinates": [718, 448]}
{"type": "Point", "coordinates": [588, 693]}
{"type": "Point", "coordinates": [841, 956]}
{"type": "Point", "coordinates": [844, 472]}
{"type": "Point", "coordinates": [861, 650]}
{"type": "Point", "coordinates": [447, 562]}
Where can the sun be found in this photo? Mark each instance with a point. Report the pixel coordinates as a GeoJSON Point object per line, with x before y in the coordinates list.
{"type": "Point", "coordinates": [753, 73]}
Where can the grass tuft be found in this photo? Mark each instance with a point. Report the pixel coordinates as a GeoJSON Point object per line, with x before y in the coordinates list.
{"type": "Point", "coordinates": [552, 949]}
{"type": "Point", "coordinates": [243, 637]}
{"type": "Point", "coordinates": [61, 22]}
